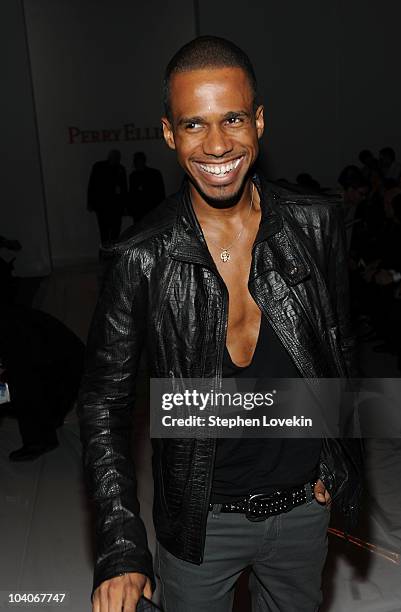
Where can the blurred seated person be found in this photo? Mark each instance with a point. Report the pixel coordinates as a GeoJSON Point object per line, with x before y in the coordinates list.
{"type": "Point", "coordinates": [107, 194]}
{"type": "Point", "coordinates": [391, 188]}
{"type": "Point", "coordinates": [383, 283]}
{"type": "Point", "coordinates": [7, 281]}
{"type": "Point", "coordinates": [390, 167]}
{"type": "Point", "coordinates": [355, 192]}
{"type": "Point", "coordinates": [306, 181]}
{"type": "Point", "coordinates": [369, 163]}
{"type": "Point", "coordinates": [146, 188]}
{"type": "Point", "coordinates": [43, 361]}
{"type": "Point", "coordinates": [348, 174]}
{"type": "Point", "coordinates": [389, 270]}
{"type": "Point", "coordinates": [387, 278]}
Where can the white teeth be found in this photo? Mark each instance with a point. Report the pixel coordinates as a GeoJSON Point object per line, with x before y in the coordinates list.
{"type": "Point", "coordinates": [218, 169]}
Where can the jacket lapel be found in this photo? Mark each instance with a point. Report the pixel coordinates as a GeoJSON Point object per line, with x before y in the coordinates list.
{"type": "Point", "coordinates": [188, 242]}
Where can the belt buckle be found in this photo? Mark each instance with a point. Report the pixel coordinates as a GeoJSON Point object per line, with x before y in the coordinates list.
{"type": "Point", "coordinates": [254, 518]}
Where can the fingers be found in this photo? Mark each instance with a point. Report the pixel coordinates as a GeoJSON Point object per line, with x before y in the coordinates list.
{"type": "Point", "coordinates": [101, 599]}
{"type": "Point", "coordinates": [115, 596]}
{"type": "Point", "coordinates": [321, 493]}
{"type": "Point", "coordinates": [147, 591]}
{"type": "Point", "coordinates": [121, 593]}
{"type": "Point", "coordinates": [132, 595]}
{"type": "Point", "coordinates": [95, 603]}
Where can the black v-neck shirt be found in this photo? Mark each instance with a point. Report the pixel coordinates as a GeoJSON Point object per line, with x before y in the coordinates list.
{"type": "Point", "coordinates": [262, 465]}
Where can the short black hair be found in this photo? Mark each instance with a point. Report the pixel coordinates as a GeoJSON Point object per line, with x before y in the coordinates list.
{"type": "Point", "coordinates": [352, 177]}
{"type": "Point", "coordinates": [207, 52]}
{"type": "Point", "coordinates": [388, 152]}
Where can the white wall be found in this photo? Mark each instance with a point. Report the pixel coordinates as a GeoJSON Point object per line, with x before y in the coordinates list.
{"type": "Point", "coordinates": [370, 102]}
{"type": "Point", "coordinates": [97, 65]}
{"type": "Point", "coordinates": [22, 212]}
{"type": "Point", "coordinates": [327, 73]}
{"type": "Point", "coordinates": [293, 48]}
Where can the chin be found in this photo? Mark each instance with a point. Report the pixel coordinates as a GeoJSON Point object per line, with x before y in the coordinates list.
{"type": "Point", "coordinates": [220, 196]}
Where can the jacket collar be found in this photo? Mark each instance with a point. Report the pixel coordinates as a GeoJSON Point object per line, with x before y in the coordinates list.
{"type": "Point", "coordinates": [189, 244]}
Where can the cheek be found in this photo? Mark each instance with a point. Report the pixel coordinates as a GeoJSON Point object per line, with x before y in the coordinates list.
{"type": "Point", "coordinates": [186, 147]}
{"type": "Point", "coordinates": [182, 155]}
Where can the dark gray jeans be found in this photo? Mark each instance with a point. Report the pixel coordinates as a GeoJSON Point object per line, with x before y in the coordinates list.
{"type": "Point", "coordinates": [286, 552]}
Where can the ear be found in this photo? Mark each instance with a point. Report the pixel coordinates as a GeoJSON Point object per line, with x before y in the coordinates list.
{"type": "Point", "coordinates": [168, 133]}
{"type": "Point", "coordinates": [260, 121]}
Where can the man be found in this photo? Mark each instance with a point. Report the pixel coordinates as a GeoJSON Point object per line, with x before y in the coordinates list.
{"type": "Point", "coordinates": [390, 167]}
{"type": "Point", "coordinates": [222, 278]}
{"type": "Point", "coordinates": [146, 188]}
{"type": "Point", "coordinates": [43, 360]}
{"type": "Point", "coordinates": [369, 163]}
{"type": "Point", "coordinates": [356, 190]}
{"type": "Point", "coordinates": [107, 193]}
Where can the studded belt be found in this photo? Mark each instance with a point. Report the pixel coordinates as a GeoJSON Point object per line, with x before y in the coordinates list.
{"type": "Point", "coordinates": [258, 506]}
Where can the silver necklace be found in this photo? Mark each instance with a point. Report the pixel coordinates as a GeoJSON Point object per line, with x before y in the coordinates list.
{"type": "Point", "coordinates": [225, 254]}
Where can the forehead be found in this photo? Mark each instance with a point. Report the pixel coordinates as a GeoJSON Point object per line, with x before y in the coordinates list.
{"type": "Point", "coordinates": [207, 91]}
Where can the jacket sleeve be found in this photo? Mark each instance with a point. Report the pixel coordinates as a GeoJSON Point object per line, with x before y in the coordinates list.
{"type": "Point", "coordinates": [341, 460]}
{"type": "Point", "coordinates": [104, 408]}
{"type": "Point", "coordinates": [338, 282]}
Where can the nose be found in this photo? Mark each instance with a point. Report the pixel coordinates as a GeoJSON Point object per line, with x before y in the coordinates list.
{"type": "Point", "coordinates": [216, 142]}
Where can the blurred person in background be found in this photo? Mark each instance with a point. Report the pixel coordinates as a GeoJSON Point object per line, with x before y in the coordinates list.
{"type": "Point", "coordinates": [386, 282]}
{"type": "Point", "coordinates": [43, 362]}
{"type": "Point", "coordinates": [355, 192]}
{"type": "Point", "coordinates": [7, 280]}
{"type": "Point", "coordinates": [306, 181]}
{"type": "Point", "coordinates": [369, 163]}
{"type": "Point", "coordinates": [390, 167]}
{"type": "Point", "coordinates": [146, 188]}
{"type": "Point", "coordinates": [107, 193]}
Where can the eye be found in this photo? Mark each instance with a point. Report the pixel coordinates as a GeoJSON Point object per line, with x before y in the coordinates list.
{"type": "Point", "coordinates": [192, 125]}
{"type": "Point", "coordinates": [234, 120]}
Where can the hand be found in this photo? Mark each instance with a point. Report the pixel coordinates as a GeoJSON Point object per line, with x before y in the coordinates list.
{"type": "Point", "coordinates": [321, 493]}
{"type": "Point", "coordinates": [121, 593]}
{"type": "Point", "coordinates": [383, 277]}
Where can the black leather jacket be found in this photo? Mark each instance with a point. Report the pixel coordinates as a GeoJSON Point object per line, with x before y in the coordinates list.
{"type": "Point", "coordinates": [163, 289]}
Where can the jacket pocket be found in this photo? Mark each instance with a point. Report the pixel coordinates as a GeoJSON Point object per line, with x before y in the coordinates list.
{"type": "Point", "coordinates": [341, 471]}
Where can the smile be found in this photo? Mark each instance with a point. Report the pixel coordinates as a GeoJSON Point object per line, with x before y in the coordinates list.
{"type": "Point", "coordinates": [220, 169]}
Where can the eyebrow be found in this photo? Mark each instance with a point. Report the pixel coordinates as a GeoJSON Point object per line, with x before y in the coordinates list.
{"type": "Point", "coordinates": [233, 114]}
{"type": "Point", "coordinates": [198, 119]}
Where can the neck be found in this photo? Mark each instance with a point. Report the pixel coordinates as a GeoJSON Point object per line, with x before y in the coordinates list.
{"type": "Point", "coordinates": [206, 213]}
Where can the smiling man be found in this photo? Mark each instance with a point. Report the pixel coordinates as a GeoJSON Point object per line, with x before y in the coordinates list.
{"type": "Point", "coordinates": [226, 278]}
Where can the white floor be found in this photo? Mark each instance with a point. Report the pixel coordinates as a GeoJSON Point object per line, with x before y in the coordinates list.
{"type": "Point", "coordinates": [45, 530]}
